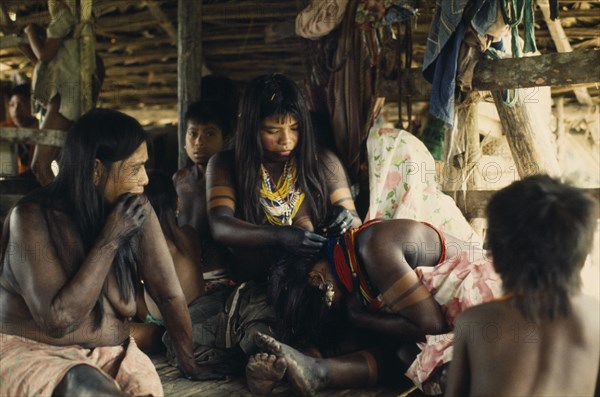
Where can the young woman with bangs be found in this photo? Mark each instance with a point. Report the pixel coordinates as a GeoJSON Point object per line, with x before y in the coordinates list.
{"type": "Point", "coordinates": [275, 189]}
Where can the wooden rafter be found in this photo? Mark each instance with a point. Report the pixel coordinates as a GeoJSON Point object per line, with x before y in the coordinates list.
{"type": "Point", "coordinates": [162, 19]}
{"type": "Point", "coordinates": [563, 45]}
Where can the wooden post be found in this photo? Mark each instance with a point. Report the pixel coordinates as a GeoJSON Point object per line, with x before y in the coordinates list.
{"type": "Point", "coordinates": [529, 144]}
{"type": "Point", "coordinates": [87, 57]}
{"type": "Point", "coordinates": [563, 45]}
{"type": "Point", "coordinates": [473, 147]}
{"type": "Point", "coordinates": [561, 134]}
{"type": "Point", "coordinates": [462, 164]}
{"type": "Point", "coordinates": [189, 63]}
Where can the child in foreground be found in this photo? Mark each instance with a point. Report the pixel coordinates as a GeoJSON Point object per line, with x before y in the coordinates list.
{"type": "Point", "coordinates": [543, 336]}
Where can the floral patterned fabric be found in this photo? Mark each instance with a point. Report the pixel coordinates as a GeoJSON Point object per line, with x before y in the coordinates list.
{"type": "Point", "coordinates": [31, 368]}
{"type": "Point", "coordinates": [402, 179]}
{"type": "Point", "coordinates": [465, 279]}
{"type": "Point", "coordinates": [403, 184]}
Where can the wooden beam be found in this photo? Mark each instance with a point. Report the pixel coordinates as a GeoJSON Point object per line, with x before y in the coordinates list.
{"type": "Point", "coordinates": [556, 69]}
{"type": "Point", "coordinates": [473, 203]}
{"type": "Point", "coordinates": [162, 19]}
{"type": "Point", "coordinates": [189, 62]}
{"type": "Point", "coordinates": [140, 57]}
{"type": "Point", "coordinates": [124, 71]}
{"type": "Point", "coordinates": [33, 136]}
{"type": "Point", "coordinates": [561, 41]}
{"type": "Point", "coordinates": [236, 49]}
{"type": "Point", "coordinates": [119, 92]}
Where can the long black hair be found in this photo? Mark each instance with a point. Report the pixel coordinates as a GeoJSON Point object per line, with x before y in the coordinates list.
{"type": "Point", "coordinates": [540, 232]}
{"type": "Point", "coordinates": [109, 136]}
{"type": "Point", "coordinates": [266, 96]}
{"type": "Point", "coordinates": [302, 316]}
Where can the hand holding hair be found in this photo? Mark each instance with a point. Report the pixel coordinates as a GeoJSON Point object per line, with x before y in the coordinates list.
{"type": "Point", "coordinates": [339, 221]}
{"type": "Point", "coordinates": [299, 241]}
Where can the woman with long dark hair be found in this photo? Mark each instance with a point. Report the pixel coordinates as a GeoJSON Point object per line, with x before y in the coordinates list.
{"type": "Point", "coordinates": [72, 253]}
{"type": "Point", "coordinates": [276, 187]}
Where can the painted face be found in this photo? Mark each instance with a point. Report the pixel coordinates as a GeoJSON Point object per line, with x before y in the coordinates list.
{"type": "Point", "coordinates": [279, 137]}
{"type": "Point", "coordinates": [202, 141]}
{"type": "Point", "coordinates": [19, 109]}
{"type": "Point", "coordinates": [127, 176]}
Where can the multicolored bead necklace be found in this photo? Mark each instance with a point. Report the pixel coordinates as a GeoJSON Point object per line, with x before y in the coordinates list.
{"type": "Point", "coordinates": [281, 201]}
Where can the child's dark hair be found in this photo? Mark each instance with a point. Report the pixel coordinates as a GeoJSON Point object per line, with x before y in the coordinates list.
{"type": "Point", "coordinates": [205, 112]}
{"type": "Point", "coordinates": [22, 89]}
{"type": "Point", "coordinates": [302, 316]}
{"type": "Point", "coordinates": [540, 232]}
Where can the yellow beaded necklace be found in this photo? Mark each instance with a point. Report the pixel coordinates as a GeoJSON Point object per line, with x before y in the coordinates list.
{"type": "Point", "coordinates": [281, 201]}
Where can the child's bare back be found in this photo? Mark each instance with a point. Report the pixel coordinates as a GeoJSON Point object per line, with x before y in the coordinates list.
{"type": "Point", "coordinates": [511, 356]}
{"type": "Point", "coordinates": [543, 339]}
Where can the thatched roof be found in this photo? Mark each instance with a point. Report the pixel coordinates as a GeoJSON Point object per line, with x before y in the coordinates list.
{"type": "Point", "coordinates": [240, 40]}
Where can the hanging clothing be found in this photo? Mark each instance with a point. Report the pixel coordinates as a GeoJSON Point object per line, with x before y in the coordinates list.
{"type": "Point", "coordinates": [440, 63]}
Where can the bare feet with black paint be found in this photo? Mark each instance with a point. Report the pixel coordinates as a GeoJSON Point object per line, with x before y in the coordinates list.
{"type": "Point", "coordinates": [305, 375]}
{"type": "Point", "coordinates": [263, 371]}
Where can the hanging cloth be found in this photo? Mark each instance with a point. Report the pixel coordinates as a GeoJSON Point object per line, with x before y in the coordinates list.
{"type": "Point", "coordinates": [514, 12]}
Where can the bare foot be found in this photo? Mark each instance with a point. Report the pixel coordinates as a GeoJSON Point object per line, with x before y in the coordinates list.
{"type": "Point", "coordinates": [263, 371]}
{"type": "Point", "coordinates": [304, 373]}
